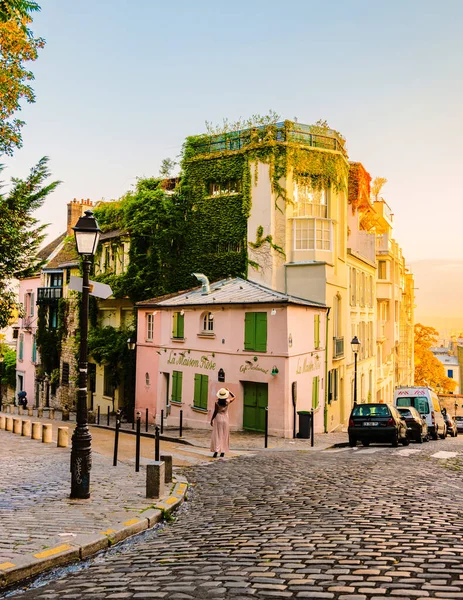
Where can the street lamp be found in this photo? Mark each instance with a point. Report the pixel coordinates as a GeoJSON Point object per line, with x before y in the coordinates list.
{"type": "Point", "coordinates": [87, 234]}
{"type": "Point", "coordinates": [355, 344]}
{"type": "Point", "coordinates": [131, 343]}
{"type": "Point", "coordinates": [1, 382]}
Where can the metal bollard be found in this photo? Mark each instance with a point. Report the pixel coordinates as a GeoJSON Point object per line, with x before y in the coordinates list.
{"type": "Point", "coordinates": [26, 428]}
{"type": "Point", "coordinates": [137, 445]}
{"type": "Point", "coordinates": [98, 412]}
{"type": "Point", "coordinates": [146, 420]}
{"type": "Point", "coordinates": [266, 427]}
{"type": "Point", "coordinates": [63, 437]}
{"type": "Point", "coordinates": [36, 431]}
{"type": "Point", "coordinates": [108, 417]}
{"type": "Point", "coordinates": [311, 427]}
{"type": "Point", "coordinates": [116, 437]}
{"type": "Point", "coordinates": [47, 433]}
{"type": "Point", "coordinates": [181, 423]}
{"type": "Point", "coordinates": [17, 427]}
{"type": "Point", "coordinates": [162, 421]}
{"type": "Point", "coordinates": [133, 420]}
{"type": "Point", "coordinates": [156, 444]}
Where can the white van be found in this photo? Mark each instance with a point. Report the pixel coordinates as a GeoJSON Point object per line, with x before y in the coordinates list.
{"type": "Point", "coordinates": [426, 403]}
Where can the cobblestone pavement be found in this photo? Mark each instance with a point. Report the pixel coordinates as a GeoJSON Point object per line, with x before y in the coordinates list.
{"type": "Point", "coordinates": [359, 524]}
{"type": "Point", "coordinates": [34, 490]}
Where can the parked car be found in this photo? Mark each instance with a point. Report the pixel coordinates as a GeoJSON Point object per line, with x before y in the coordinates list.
{"type": "Point", "coordinates": [452, 429]}
{"type": "Point", "coordinates": [427, 403]}
{"type": "Point", "coordinates": [417, 428]}
{"type": "Point", "coordinates": [376, 423]}
{"type": "Point", "coordinates": [459, 422]}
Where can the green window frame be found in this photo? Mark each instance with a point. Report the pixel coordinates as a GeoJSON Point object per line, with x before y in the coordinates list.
{"type": "Point", "coordinates": [177, 381]}
{"type": "Point", "coordinates": [255, 331]}
{"type": "Point", "coordinates": [316, 325]}
{"type": "Point", "coordinates": [201, 391]}
{"type": "Point", "coordinates": [21, 347]}
{"type": "Point", "coordinates": [34, 349]}
{"type": "Point", "coordinates": [178, 326]}
{"type": "Point", "coordinates": [315, 391]}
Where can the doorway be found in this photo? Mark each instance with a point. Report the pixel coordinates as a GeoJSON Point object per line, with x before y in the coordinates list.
{"type": "Point", "coordinates": [255, 400]}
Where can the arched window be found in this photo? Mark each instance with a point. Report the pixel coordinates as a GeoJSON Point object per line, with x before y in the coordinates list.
{"type": "Point", "coordinates": [208, 321]}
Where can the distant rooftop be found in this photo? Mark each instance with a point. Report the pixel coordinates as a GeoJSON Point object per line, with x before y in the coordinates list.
{"type": "Point", "coordinates": [228, 291]}
{"type": "Point", "coordinates": [286, 131]}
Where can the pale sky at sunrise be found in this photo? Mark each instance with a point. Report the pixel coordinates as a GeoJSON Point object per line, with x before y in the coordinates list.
{"type": "Point", "coordinates": [121, 83]}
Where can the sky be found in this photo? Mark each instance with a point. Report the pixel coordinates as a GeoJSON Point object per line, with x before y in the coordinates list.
{"type": "Point", "coordinates": [121, 83]}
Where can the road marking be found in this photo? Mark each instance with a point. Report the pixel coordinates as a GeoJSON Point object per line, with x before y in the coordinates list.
{"type": "Point", "coordinates": [7, 565]}
{"type": "Point", "coordinates": [408, 452]}
{"type": "Point", "coordinates": [131, 522]}
{"type": "Point", "coordinates": [108, 531]}
{"type": "Point", "coordinates": [53, 551]}
{"type": "Point", "coordinates": [443, 454]}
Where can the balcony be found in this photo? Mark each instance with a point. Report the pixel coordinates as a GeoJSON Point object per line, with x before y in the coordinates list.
{"type": "Point", "coordinates": [27, 323]}
{"type": "Point", "coordinates": [362, 244]}
{"type": "Point", "coordinates": [338, 347]}
{"type": "Point", "coordinates": [49, 295]}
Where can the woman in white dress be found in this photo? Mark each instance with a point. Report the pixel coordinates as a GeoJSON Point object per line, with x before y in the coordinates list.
{"type": "Point", "coordinates": [220, 441]}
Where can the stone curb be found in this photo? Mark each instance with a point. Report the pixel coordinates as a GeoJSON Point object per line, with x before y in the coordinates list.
{"type": "Point", "coordinates": [85, 545]}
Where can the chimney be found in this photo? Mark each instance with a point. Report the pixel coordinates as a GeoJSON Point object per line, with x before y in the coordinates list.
{"type": "Point", "coordinates": [76, 208]}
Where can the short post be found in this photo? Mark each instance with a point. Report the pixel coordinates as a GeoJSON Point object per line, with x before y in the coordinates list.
{"type": "Point", "coordinates": [26, 428]}
{"type": "Point", "coordinates": [181, 423]}
{"type": "Point", "coordinates": [9, 424]}
{"type": "Point", "coordinates": [116, 437]}
{"type": "Point", "coordinates": [30, 412]}
{"type": "Point", "coordinates": [146, 420]}
{"type": "Point", "coordinates": [40, 413]}
{"type": "Point", "coordinates": [51, 414]}
{"type": "Point", "coordinates": [20, 410]}
{"type": "Point", "coordinates": [2, 422]}
{"type": "Point", "coordinates": [98, 412]}
{"type": "Point", "coordinates": [47, 433]}
{"type": "Point", "coordinates": [266, 427]}
{"type": "Point", "coordinates": [36, 431]}
{"type": "Point", "coordinates": [63, 437]}
{"type": "Point", "coordinates": [17, 426]}
{"type": "Point", "coordinates": [155, 480]}
{"type": "Point", "coordinates": [156, 444]}
{"type": "Point", "coordinates": [137, 443]}
{"type": "Point", "coordinates": [167, 460]}
{"type": "Point", "coordinates": [311, 427]}
{"type": "Point", "coordinates": [162, 420]}
{"type": "Point", "coordinates": [108, 417]}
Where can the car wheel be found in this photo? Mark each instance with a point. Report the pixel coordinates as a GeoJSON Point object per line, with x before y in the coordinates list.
{"type": "Point", "coordinates": [420, 438]}
{"type": "Point", "coordinates": [352, 442]}
{"type": "Point", "coordinates": [366, 442]}
{"type": "Point", "coordinates": [443, 435]}
{"type": "Point", "coordinates": [395, 441]}
{"type": "Point", "coordinates": [405, 441]}
{"type": "Point", "coordinates": [456, 433]}
{"type": "Point", "coordinates": [434, 435]}
{"type": "Point", "coordinates": [452, 434]}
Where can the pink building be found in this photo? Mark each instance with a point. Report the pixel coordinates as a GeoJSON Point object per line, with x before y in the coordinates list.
{"type": "Point", "coordinates": [236, 334]}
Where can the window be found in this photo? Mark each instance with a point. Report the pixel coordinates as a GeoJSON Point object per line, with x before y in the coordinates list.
{"type": "Point", "coordinates": [337, 314]}
{"type": "Point", "coordinates": [178, 325]}
{"type": "Point", "coordinates": [34, 349]}
{"type": "Point", "coordinates": [315, 392]}
{"type": "Point", "coordinates": [149, 327]}
{"type": "Point", "coordinates": [68, 275]}
{"type": "Point", "coordinates": [353, 287]}
{"type": "Point", "coordinates": [225, 188]}
{"type": "Point", "coordinates": [382, 269]}
{"type": "Point", "coordinates": [201, 391]}
{"type": "Point", "coordinates": [450, 373]}
{"type": "Point", "coordinates": [56, 280]}
{"type": "Point", "coordinates": [208, 322]}
{"type": "Point", "coordinates": [65, 374]}
{"type": "Point", "coordinates": [108, 383]}
{"type": "Point", "coordinates": [316, 326]}
{"type": "Point", "coordinates": [53, 317]}
{"type": "Point", "coordinates": [21, 347]}
{"type": "Point", "coordinates": [419, 402]}
{"type": "Point", "coordinates": [312, 234]}
{"type": "Point", "coordinates": [333, 385]}
{"type": "Point", "coordinates": [309, 202]}
{"type": "Point", "coordinates": [255, 332]}
{"type": "Point", "coordinates": [177, 378]}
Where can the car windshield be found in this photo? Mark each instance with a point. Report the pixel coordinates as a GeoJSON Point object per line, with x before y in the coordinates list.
{"type": "Point", "coordinates": [405, 412]}
{"type": "Point", "coordinates": [418, 402]}
{"type": "Point", "coordinates": [459, 418]}
{"type": "Point", "coordinates": [371, 411]}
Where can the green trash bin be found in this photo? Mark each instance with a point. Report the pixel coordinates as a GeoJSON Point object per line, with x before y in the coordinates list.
{"type": "Point", "coordinates": [304, 424]}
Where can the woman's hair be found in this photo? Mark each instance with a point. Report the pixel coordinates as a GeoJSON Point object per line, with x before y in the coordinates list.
{"type": "Point", "coordinates": [222, 402]}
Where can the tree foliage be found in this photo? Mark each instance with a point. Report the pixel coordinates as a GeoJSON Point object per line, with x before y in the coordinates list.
{"type": "Point", "coordinates": [20, 232]}
{"type": "Point", "coordinates": [18, 46]}
{"type": "Point", "coordinates": [108, 345]}
{"type": "Point", "coordinates": [429, 370]}
{"type": "Point", "coordinates": [8, 367]}
{"type": "Point", "coordinates": [377, 185]}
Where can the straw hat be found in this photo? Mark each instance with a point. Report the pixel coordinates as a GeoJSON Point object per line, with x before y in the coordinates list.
{"type": "Point", "coordinates": [223, 393]}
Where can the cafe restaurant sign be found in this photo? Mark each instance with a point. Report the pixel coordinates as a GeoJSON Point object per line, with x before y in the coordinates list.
{"type": "Point", "coordinates": [185, 361]}
{"type": "Point", "coordinates": [306, 364]}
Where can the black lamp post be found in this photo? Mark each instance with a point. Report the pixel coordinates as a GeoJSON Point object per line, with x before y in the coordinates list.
{"type": "Point", "coordinates": [355, 344]}
{"type": "Point", "coordinates": [87, 234]}
{"type": "Point", "coordinates": [1, 381]}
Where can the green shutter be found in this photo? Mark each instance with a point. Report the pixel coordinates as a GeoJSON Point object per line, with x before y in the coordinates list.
{"type": "Point", "coordinates": [32, 307]}
{"type": "Point", "coordinates": [204, 391]}
{"type": "Point", "coordinates": [34, 349]}
{"type": "Point", "coordinates": [249, 331]}
{"type": "Point", "coordinates": [315, 393]}
{"type": "Point", "coordinates": [317, 330]}
{"type": "Point", "coordinates": [175, 325]}
{"type": "Point", "coordinates": [197, 392]}
{"type": "Point", "coordinates": [181, 328]}
{"type": "Point", "coordinates": [174, 386]}
{"type": "Point", "coordinates": [177, 377]}
{"type": "Point", "coordinates": [21, 346]}
{"type": "Point", "coordinates": [261, 332]}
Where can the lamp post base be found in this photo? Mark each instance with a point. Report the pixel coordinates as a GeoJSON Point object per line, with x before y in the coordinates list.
{"type": "Point", "coordinates": [81, 463]}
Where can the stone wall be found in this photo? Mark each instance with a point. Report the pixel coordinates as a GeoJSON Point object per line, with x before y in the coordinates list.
{"type": "Point", "coordinates": [66, 393]}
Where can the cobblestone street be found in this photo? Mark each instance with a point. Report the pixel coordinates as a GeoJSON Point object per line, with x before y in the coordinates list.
{"type": "Point", "coordinates": [364, 524]}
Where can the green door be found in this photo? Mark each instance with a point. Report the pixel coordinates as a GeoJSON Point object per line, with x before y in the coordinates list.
{"type": "Point", "coordinates": [255, 403]}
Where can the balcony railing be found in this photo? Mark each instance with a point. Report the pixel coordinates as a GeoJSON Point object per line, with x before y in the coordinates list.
{"type": "Point", "coordinates": [27, 323]}
{"type": "Point", "coordinates": [338, 347]}
{"type": "Point", "coordinates": [49, 295]}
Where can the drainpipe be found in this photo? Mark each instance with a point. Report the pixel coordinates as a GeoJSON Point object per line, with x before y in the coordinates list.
{"type": "Point", "coordinates": [325, 411]}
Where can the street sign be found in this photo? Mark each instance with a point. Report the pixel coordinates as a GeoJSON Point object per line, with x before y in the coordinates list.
{"type": "Point", "coordinates": [100, 290]}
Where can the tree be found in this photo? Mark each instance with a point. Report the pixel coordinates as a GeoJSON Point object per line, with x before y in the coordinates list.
{"type": "Point", "coordinates": [17, 46]}
{"type": "Point", "coordinates": [167, 166]}
{"type": "Point", "coordinates": [429, 370]}
{"type": "Point", "coordinates": [20, 233]}
{"type": "Point", "coordinates": [377, 186]}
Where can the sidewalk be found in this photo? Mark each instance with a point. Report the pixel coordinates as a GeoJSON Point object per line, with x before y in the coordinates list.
{"type": "Point", "coordinates": [41, 527]}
